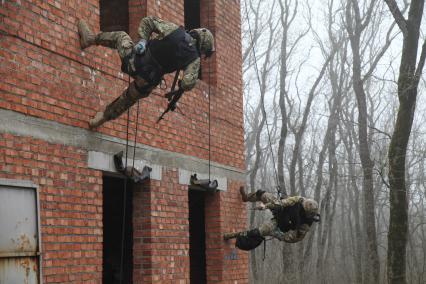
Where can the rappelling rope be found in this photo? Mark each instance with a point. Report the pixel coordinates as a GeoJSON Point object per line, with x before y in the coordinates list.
{"type": "Point", "coordinates": [123, 221]}
{"type": "Point", "coordinates": [263, 106]}
{"type": "Point", "coordinates": [136, 135]}
{"type": "Point", "coordinates": [123, 228]}
{"type": "Point", "coordinates": [209, 90]}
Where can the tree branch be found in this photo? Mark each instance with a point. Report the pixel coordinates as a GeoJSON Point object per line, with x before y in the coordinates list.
{"type": "Point", "coordinates": [421, 63]}
{"type": "Point", "coordinates": [379, 56]}
{"type": "Point", "coordinates": [397, 15]}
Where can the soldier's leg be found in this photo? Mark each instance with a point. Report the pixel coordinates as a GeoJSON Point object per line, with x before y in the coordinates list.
{"type": "Point", "coordinates": [138, 89]}
{"type": "Point", "coordinates": [229, 236]}
{"type": "Point", "coordinates": [117, 40]}
{"type": "Point", "coordinates": [266, 229]}
{"type": "Point", "coordinates": [267, 197]}
{"type": "Point", "coordinates": [259, 195]}
{"type": "Point", "coordinates": [250, 197]}
{"type": "Point", "coordinates": [271, 229]}
{"type": "Point", "coordinates": [250, 233]}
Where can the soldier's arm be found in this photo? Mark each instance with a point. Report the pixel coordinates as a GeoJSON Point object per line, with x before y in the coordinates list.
{"type": "Point", "coordinates": [294, 236]}
{"type": "Point", "coordinates": [150, 24]}
{"type": "Point", "coordinates": [190, 75]}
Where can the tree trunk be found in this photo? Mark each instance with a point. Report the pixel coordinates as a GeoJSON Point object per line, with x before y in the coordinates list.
{"type": "Point", "coordinates": [407, 94]}
{"type": "Point", "coordinates": [371, 265]}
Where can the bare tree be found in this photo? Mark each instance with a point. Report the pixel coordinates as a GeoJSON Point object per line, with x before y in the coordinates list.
{"type": "Point", "coordinates": [408, 81]}
{"type": "Point", "coordinates": [288, 9]}
{"type": "Point", "coordinates": [260, 113]}
{"type": "Point", "coordinates": [356, 23]}
{"type": "Point", "coordinates": [314, 100]}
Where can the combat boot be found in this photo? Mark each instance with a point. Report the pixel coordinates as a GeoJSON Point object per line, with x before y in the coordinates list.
{"type": "Point", "coordinates": [250, 197]}
{"type": "Point", "coordinates": [87, 37]}
{"type": "Point", "coordinates": [98, 120]}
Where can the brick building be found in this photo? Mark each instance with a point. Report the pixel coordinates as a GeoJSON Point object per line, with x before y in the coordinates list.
{"type": "Point", "coordinates": [57, 177]}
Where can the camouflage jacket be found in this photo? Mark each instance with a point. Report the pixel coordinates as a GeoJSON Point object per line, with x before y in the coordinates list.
{"type": "Point", "coordinates": [149, 25]}
{"type": "Point", "coordinates": [291, 236]}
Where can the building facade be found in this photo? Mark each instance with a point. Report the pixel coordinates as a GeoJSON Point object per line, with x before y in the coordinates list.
{"type": "Point", "coordinates": [72, 218]}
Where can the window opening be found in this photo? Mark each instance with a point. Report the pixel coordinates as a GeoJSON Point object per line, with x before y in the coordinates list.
{"type": "Point", "coordinates": [114, 15]}
{"type": "Point", "coordinates": [192, 14]}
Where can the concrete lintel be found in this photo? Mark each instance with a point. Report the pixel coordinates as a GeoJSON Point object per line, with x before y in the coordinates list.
{"type": "Point", "coordinates": [54, 132]}
{"type": "Point", "coordinates": [18, 183]}
{"type": "Point", "coordinates": [105, 162]}
{"type": "Point", "coordinates": [185, 176]}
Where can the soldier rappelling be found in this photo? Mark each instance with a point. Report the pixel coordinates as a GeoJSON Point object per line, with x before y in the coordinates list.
{"type": "Point", "coordinates": [172, 49]}
{"type": "Point", "coordinates": [292, 219]}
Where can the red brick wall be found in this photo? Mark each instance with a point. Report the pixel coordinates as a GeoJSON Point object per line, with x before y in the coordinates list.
{"type": "Point", "coordinates": [71, 218]}
{"type": "Point", "coordinates": [45, 75]}
{"type": "Point", "coordinates": [136, 9]}
{"type": "Point", "coordinates": [161, 237]}
{"type": "Point", "coordinates": [70, 201]}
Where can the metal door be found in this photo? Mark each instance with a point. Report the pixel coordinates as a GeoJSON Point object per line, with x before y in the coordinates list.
{"type": "Point", "coordinates": [19, 233]}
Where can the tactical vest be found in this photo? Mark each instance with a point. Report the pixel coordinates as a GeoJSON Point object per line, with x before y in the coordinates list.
{"type": "Point", "coordinates": [174, 52]}
{"type": "Point", "coordinates": [291, 218]}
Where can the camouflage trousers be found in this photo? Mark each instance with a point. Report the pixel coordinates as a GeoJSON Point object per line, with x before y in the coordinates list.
{"type": "Point", "coordinates": [268, 197]}
{"type": "Point", "coordinates": [138, 89]}
{"type": "Point", "coordinates": [270, 228]}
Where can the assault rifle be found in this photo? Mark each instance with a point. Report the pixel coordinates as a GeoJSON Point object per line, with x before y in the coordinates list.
{"type": "Point", "coordinates": [173, 97]}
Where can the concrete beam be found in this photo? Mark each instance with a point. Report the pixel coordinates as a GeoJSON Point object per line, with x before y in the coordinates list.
{"type": "Point", "coordinates": [105, 162]}
{"type": "Point", "coordinates": [185, 177]}
{"type": "Point", "coordinates": [94, 142]}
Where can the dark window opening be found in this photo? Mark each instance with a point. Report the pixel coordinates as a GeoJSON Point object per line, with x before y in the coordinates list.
{"type": "Point", "coordinates": [192, 14]}
{"type": "Point", "coordinates": [113, 194]}
{"type": "Point", "coordinates": [197, 236]}
{"type": "Point", "coordinates": [114, 15]}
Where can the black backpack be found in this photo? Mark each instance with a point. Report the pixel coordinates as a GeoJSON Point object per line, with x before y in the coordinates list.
{"type": "Point", "coordinates": [249, 242]}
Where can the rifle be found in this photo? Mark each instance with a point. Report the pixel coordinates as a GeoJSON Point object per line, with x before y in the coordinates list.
{"type": "Point", "coordinates": [173, 97]}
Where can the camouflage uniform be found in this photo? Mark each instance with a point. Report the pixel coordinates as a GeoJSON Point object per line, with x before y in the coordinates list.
{"type": "Point", "coordinates": [140, 88]}
{"type": "Point", "coordinates": [271, 228]}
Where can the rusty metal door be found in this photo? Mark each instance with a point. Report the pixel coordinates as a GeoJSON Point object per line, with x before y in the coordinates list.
{"type": "Point", "coordinates": [19, 233]}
